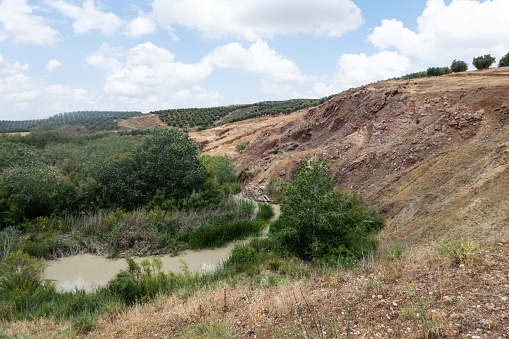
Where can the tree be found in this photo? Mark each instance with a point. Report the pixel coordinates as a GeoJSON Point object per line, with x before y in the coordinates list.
{"type": "Point", "coordinates": [31, 190]}
{"type": "Point", "coordinates": [165, 162]}
{"type": "Point", "coordinates": [438, 71]}
{"type": "Point", "coordinates": [459, 66]}
{"type": "Point", "coordinates": [318, 222]}
{"type": "Point", "coordinates": [482, 62]}
{"type": "Point", "coordinates": [504, 61]}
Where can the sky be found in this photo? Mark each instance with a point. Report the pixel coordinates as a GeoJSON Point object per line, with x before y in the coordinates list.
{"type": "Point", "coordinates": [77, 55]}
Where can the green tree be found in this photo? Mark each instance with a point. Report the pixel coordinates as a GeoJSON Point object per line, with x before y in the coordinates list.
{"type": "Point", "coordinates": [482, 62]}
{"type": "Point", "coordinates": [459, 66]}
{"type": "Point", "coordinates": [504, 61]}
{"type": "Point", "coordinates": [164, 163]}
{"type": "Point", "coordinates": [318, 222]}
{"type": "Point", "coordinates": [438, 71]}
{"type": "Point", "coordinates": [168, 159]}
{"type": "Point", "coordinates": [31, 190]}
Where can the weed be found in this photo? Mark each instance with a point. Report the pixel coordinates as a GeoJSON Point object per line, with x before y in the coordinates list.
{"type": "Point", "coordinates": [458, 252]}
{"type": "Point", "coordinates": [416, 308]}
{"type": "Point", "coordinates": [241, 146]}
{"type": "Point", "coordinates": [394, 252]}
{"type": "Point", "coordinates": [9, 238]}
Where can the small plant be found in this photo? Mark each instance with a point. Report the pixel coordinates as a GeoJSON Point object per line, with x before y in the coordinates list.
{"type": "Point", "coordinates": [242, 146]}
{"type": "Point", "coordinates": [394, 253]}
{"type": "Point", "coordinates": [9, 238]}
{"type": "Point", "coordinates": [458, 252]}
{"type": "Point", "coordinates": [265, 212]}
{"type": "Point", "coordinates": [143, 281]}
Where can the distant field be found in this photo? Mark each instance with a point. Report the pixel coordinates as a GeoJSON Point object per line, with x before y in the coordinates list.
{"type": "Point", "coordinates": [91, 120]}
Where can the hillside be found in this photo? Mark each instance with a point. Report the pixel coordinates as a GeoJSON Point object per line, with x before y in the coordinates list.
{"type": "Point", "coordinates": [431, 153]}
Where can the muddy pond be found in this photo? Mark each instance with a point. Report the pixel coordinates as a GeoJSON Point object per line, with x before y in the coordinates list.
{"type": "Point", "coordinates": [89, 271]}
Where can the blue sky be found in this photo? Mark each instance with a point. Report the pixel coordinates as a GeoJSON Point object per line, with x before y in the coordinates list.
{"type": "Point", "coordinates": [68, 55]}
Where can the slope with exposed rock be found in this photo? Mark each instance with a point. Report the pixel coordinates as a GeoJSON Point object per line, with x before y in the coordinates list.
{"type": "Point", "coordinates": [431, 153]}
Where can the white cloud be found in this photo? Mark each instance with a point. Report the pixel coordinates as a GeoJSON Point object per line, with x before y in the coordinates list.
{"type": "Point", "coordinates": [361, 69]}
{"type": "Point", "coordinates": [12, 68]}
{"type": "Point", "coordinates": [22, 25]}
{"type": "Point", "coordinates": [52, 65]}
{"type": "Point", "coordinates": [254, 19]}
{"type": "Point", "coordinates": [87, 17]}
{"type": "Point", "coordinates": [145, 69]}
{"type": "Point", "coordinates": [258, 58]}
{"type": "Point", "coordinates": [461, 30]}
{"type": "Point", "coordinates": [66, 92]}
{"type": "Point", "coordinates": [107, 57]}
{"type": "Point", "coordinates": [19, 88]}
{"type": "Point", "coordinates": [142, 25]}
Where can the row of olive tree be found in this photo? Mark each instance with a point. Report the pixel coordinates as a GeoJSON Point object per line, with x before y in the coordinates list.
{"type": "Point", "coordinates": [480, 62]}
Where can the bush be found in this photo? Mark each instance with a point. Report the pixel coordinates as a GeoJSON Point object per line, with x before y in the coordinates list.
{"type": "Point", "coordinates": [504, 61]}
{"type": "Point", "coordinates": [458, 252]}
{"type": "Point", "coordinates": [22, 288]}
{"type": "Point", "coordinates": [265, 212]}
{"type": "Point", "coordinates": [208, 236]}
{"type": "Point", "coordinates": [31, 190]}
{"type": "Point", "coordinates": [459, 66]}
{"type": "Point", "coordinates": [242, 146]}
{"type": "Point", "coordinates": [142, 282]}
{"type": "Point", "coordinates": [482, 62]}
{"type": "Point", "coordinates": [319, 223]}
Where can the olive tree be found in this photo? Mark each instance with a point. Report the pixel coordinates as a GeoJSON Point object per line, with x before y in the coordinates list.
{"type": "Point", "coordinates": [459, 66]}
{"type": "Point", "coordinates": [482, 62]}
{"type": "Point", "coordinates": [504, 61]}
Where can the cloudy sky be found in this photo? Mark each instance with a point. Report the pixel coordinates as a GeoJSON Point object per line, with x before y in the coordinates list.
{"type": "Point", "coordinates": [68, 55]}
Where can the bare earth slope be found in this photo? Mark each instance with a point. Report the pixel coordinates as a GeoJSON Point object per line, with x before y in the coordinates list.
{"type": "Point", "coordinates": [432, 153]}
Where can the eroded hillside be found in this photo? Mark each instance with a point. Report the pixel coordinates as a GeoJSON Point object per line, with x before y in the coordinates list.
{"type": "Point", "coordinates": [432, 153]}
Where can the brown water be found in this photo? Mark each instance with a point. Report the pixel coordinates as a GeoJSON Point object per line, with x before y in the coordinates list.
{"type": "Point", "coordinates": [88, 271]}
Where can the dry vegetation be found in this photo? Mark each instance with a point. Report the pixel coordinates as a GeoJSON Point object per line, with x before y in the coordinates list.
{"type": "Point", "coordinates": [417, 296]}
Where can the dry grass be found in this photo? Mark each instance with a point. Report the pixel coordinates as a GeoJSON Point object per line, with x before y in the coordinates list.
{"type": "Point", "coordinates": [421, 295]}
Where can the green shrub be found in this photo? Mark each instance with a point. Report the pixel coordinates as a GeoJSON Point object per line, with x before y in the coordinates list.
{"type": "Point", "coordinates": [142, 282]}
{"type": "Point", "coordinates": [22, 289]}
{"type": "Point", "coordinates": [482, 62]}
{"type": "Point", "coordinates": [438, 71]}
{"type": "Point", "coordinates": [320, 223]}
{"type": "Point", "coordinates": [208, 236]}
{"type": "Point", "coordinates": [242, 146]}
{"type": "Point", "coordinates": [504, 61]}
{"type": "Point", "coordinates": [458, 252]}
{"type": "Point", "coordinates": [459, 66]}
{"type": "Point", "coordinates": [265, 212]}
